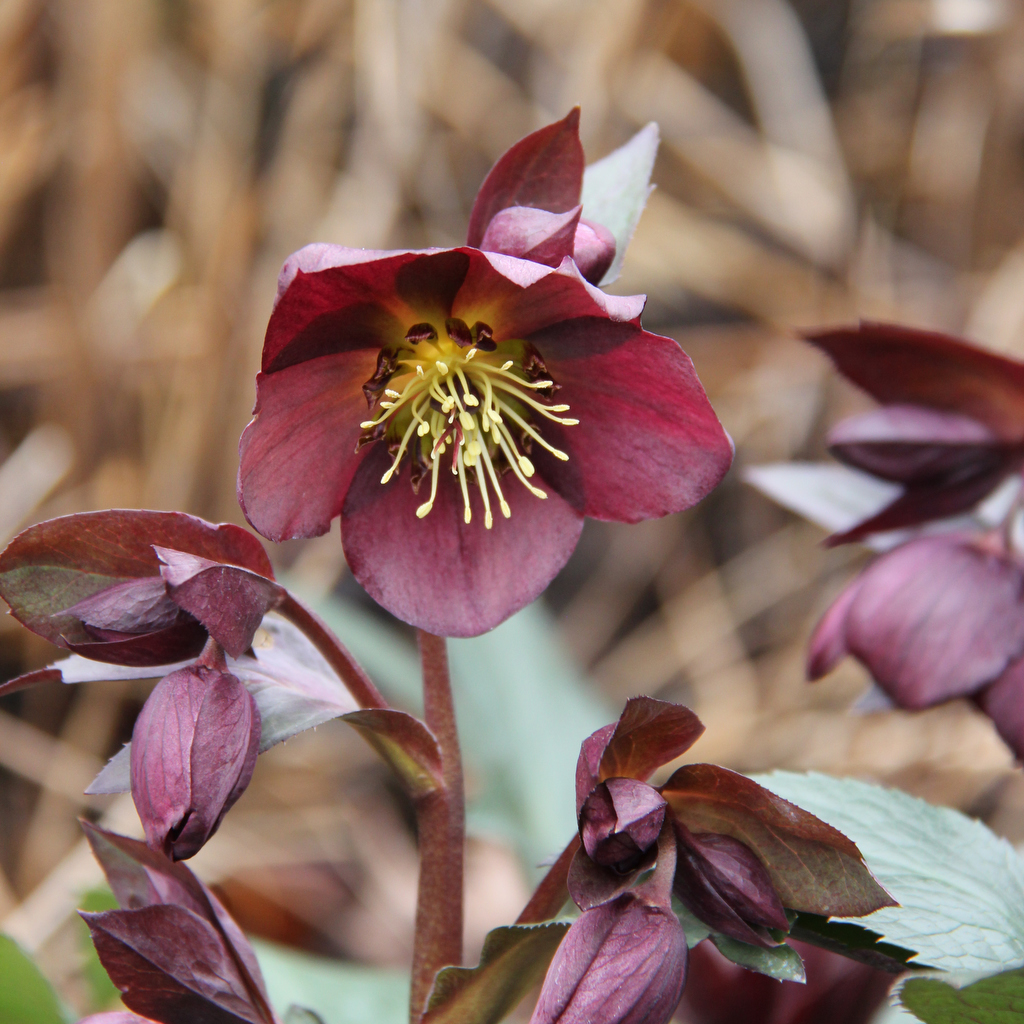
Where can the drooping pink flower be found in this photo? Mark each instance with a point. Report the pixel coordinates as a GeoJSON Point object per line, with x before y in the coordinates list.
{"type": "Point", "coordinates": [951, 426]}
{"type": "Point", "coordinates": [462, 410]}
{"type": "Point", "coordinates": [937, 618]}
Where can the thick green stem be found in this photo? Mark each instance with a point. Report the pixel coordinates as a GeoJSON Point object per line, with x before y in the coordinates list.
{"type": "Point", "coordinates": [441, 822]}
{"type": "Point", "coordinates": [358, 682]}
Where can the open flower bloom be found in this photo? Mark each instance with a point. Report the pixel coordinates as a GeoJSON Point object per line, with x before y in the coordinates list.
{"type": "Point", "coordinates": [462, 410]}
{"type": "Point", "coordinates": [936, 618]}
{"type": "Point", "coordinates": [951, 427]}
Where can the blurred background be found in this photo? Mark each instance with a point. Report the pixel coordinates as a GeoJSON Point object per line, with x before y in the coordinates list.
{"type": "Point", "coordinates": [821, 160]}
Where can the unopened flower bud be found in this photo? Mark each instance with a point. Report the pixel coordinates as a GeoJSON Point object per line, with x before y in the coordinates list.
{"type": "Point", "coordinates": [194, 748]}
{"type": "Point", "coordinates": [623, 962]}
{"type": "Point", "coordinates": [620, 821]}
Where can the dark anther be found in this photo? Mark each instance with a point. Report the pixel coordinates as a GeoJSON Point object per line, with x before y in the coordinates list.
{"type": "Point", "coordinates": [458, 332]}
{"type": "Point", "coordinates": [421, 332]}
{"type": "Point", "coordinates": [371, 435]}
{"type": "Point", "coordinates": [535, 368]}
{"type": "Point", "coordinates": [483, 337]}
{"type": "Point", "coordinates": [387, 363]}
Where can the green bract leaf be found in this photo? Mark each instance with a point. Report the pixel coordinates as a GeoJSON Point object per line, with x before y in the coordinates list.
{"type": "Point", "coordinates": [780, 962]}
{"type": "Point", "coordinates": [615, 191]}
{"type": "Point", "coordinates": [960, 888]}
{"type": "Point", "coordinates": [405, 743]}
{"type": "Point", "coordinates": [25, 995]}
{"type": "Point", "coordinates": [337, 993]}
{"type": "Point", "coordinates": [813, 866]}
{"type": "Point", "coordinates": [513, 960]}
{"type": "Point", "coordinates": [998, 999]}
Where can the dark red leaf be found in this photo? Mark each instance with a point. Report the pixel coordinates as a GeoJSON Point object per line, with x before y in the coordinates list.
{"type": "Point", "coordinates": [171, 965]}
{"type": "Point", "coordinates": [405, 743]}
{"type": "Point", "coordinates": [648, 734]}
{"type": "Point", "coordinates": [544, 170]}
{"type": "Point", "coordinates": [229, 601]}
{"type": "Point", "coordinates": [184, 640]}
{"type": "Point", "coordinates": [905, 366]}
{"type": "Point", "coordinates": [53, 566]}
{"type": "Point", "coordinates": [812, 866]}
{"type": "Point", "coordinates": [142, 877]}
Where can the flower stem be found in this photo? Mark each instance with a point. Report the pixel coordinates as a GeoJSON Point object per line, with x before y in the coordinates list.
{"type": "Point", "coordinates": [337, 656]}
{"type": "Point", "coordinates": [441, 822]}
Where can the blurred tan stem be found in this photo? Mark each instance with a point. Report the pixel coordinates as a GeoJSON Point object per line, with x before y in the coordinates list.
{"type": "Point", "coordinates": [441, 821]}
{"type": "Point", "coordinates": [334, 651]}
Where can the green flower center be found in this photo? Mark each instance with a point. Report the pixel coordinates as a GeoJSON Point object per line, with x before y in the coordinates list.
{"type": "Point", "coordinates": [460, 400]}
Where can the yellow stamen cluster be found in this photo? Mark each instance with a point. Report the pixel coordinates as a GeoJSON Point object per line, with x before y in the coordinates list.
{"type": "Point", "coordinates": [460, 401]}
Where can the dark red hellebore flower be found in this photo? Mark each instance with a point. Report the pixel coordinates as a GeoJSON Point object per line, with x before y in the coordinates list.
{"type": "Point", "coordinates": [937, 618]}
{"type": "Point", "coordinates": [951, 426]}
{"type": "Point", "coordinates": [508, 398]}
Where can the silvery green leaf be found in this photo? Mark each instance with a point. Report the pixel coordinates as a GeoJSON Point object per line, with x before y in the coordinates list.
{"type": "Point", "coordinates": [960, 887]}
{"type": "Point", "coordinates": [615, 191]}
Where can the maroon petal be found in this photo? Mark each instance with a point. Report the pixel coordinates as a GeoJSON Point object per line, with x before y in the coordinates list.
{"type": "Point", "coordinates": [937, 618]}
{"type": "Point", "coordinates": [620, 821]}
{"type": "Point", "coordinates": [544, 170]}
{"type": "Point", "coordinates": [648, 442]}
{"type": "Point", "coordinates": [593, 250]}
{"type": "Point", "coordinates": [904, 366]}
{"type": "Point", "coordinates": [909, 444]}
{"type": "Point", "coordinates": [723, 883]}
{"type": "Point", "coordinates": [517, 297]}
{"type": "Point", "coordinates": [623, 962]}
{"type": "Point", "coordinates": [827, 646]}
{"type": "Point", "coordinates": [298, 454]}
{"type": "Point", "coordinates": [439, 573]}
{"type": "Point", "coordinates": [588, 765]}
{"type": "Point", "coordinates": [229, 601]}
{"type": "Point", "coordinates": [139, 605]}
{"type": "Point", "coordinates": [1003, 702]}
{"type": "Point", "coordinates": [172, 966]}
{"type": "Point", "coordinates": [194, 748]}
{"type": "Point", "coordinates": [332, 299]}
{"type": "Point", "coordinates": [185, 639]}
{"type": "Point", "coordinates": [533, 234]}
{"type": "Point", "coordinates": [926, 503]}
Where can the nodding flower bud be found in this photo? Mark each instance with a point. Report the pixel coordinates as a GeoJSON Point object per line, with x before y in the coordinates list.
{"type": "Point", "coordinates": [593, 250]}
{"type": "Point", "coordinates": [722, 881]}
{"type": "Point", "coordinates": [194, 748]}
{"type": "Point", "coordinates": [619, 821]}
{"type": "Point", "coordinates": [622, 962]}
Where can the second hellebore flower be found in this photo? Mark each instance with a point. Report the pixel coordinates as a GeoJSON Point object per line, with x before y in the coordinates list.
{"type": "Point", "coordinates": [507, 399]}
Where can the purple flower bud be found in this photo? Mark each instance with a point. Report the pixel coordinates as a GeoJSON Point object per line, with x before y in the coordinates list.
{"type": "Point", "coordinates": [533, 234]}
{"type": "Point", "coordinates": [724, 884]}
{"type": "Point", "coordinates": [593, 250]}
{"type": "Point", "coordinates": [619, 821]}
{"type": "Point", "coordinates": [623, 962]}
{"type": "Point", "coordinates": [194, 748]}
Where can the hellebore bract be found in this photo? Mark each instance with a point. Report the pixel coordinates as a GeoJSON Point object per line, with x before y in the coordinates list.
{"type": "Point", "coordinates": [463, 409]}
{"type": "Point", "coordinates": [951, 426]}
